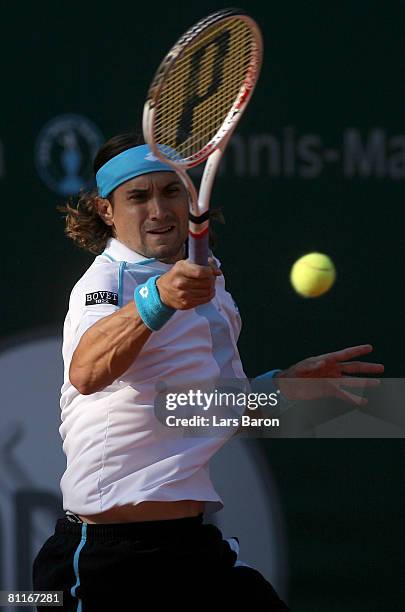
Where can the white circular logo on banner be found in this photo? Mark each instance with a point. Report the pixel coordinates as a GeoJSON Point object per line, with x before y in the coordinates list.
{"type": "Point", "coordinates": [64, 153]}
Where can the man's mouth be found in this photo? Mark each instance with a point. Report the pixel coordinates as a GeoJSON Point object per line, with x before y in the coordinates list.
{"type": "Point", "coordinates": [161, 230]}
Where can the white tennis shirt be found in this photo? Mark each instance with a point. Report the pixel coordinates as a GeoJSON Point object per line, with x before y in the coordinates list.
{"type": "Point", "coordinates": [118, 452]}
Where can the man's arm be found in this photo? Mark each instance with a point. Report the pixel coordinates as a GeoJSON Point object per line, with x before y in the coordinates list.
{"type": "Point", "coordinates": [109, 347]}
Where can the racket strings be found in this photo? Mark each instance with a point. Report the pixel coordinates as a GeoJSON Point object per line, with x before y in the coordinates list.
{"type": "Point", "coordinates": [222, 103]}
{"type": "Point", "coordinates": [201, 88]}
{"type": "Point", "coordinates": [233, 75]}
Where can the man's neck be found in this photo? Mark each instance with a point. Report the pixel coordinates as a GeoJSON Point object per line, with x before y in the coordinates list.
{"type": "Point", "coordinates": [166, 260]}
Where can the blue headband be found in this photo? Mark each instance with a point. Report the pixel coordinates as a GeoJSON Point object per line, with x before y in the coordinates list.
{"type": "Point", "coordinates": [126, 165]}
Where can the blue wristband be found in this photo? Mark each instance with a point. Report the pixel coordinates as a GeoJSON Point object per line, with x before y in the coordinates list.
{"type": "Point", "coordinates": [265, 381]}
{"type": "Point", "coordinates": [150, 307]}
{"type": "Point", "coordinates": [267, 375]}
{"type": "Point", "coordinates": [262, 383]}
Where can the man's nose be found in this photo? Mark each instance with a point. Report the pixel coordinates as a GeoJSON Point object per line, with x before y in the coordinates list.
{"type": "Point", "coordinates": [157, 207]}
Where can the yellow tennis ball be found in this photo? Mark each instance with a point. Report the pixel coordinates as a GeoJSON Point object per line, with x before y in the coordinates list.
{"type": "Point", "coordinates": [313, 274]}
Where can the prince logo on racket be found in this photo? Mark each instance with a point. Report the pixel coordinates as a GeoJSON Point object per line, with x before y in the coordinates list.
{"type": "Point", "coordinates": [192, 94]}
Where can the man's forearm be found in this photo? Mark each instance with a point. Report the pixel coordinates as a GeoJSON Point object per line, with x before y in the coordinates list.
{"type": "Point", "coordinates": [107, 350]}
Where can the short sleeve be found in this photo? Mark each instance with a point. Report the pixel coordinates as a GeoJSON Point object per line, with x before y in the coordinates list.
{"type": "Point", "coordinates": [95, 296]}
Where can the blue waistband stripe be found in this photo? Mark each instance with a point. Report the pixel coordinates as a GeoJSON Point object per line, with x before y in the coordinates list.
{"type": "Point", "coordinates": [76, 566]}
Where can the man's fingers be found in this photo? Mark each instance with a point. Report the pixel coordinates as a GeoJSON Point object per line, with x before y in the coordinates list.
{"type": "Point", "coordinates": [351, 398]}
{"type": "Point", "coordinates": [348, 381]}
{"type": "Point", "coordinates": [188, 285]}
{"type": "Point", "coordinates": [198, 292]}
{"type": "Point", "coordinates": [362, 367]}
{"type": "Point", "coordinates": [304, 369]}
{"type": "Point", "coordinates": [194, 271]}
{"type": "Point", "coordinates": [349, 353]}
{"type": "Point", "coordinates": [217, 271]}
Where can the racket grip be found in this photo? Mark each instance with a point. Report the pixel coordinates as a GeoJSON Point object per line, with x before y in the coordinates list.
{"type": "Point", "coordinates": [198, 248]}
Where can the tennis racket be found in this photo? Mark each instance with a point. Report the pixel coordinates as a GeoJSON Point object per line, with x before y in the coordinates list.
{"type": "Point", "coordinates": [195, 101]}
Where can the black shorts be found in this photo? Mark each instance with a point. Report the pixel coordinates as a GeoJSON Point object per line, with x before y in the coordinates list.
{"type": "Point", "coordinates": [179, 563]}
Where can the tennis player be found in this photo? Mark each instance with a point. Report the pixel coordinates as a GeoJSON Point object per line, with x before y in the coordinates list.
{"type": "Point", "coordinates": [135, 492]}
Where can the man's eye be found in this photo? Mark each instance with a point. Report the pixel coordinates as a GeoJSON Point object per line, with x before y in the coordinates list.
{"type": "Point", "coordinates": [172, 190]}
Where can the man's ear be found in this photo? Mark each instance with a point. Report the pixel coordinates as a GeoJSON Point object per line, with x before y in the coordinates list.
{"type": "Point", "coordinates": [105, 210]}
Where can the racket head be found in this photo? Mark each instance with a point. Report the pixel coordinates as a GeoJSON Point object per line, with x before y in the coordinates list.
{"type": "Point", "coordinates": [202, 87]}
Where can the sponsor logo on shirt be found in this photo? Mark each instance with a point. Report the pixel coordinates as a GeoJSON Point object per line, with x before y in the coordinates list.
{"type": "Point", "coordinates": [101, 297]}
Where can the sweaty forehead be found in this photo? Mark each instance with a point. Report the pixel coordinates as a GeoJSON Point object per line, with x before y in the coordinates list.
{"type": "Point", "coordinates": [146, 181]}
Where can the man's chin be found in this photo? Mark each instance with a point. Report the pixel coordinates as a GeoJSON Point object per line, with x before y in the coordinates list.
{"type": "Point", "coordinates": [167, 253]}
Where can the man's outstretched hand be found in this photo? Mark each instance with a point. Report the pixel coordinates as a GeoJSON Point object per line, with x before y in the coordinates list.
{"type": "Point", "coordinates": [325, 375]}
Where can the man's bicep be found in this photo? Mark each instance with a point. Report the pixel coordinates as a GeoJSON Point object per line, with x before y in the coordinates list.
{"type": "Point", "coordinates": [87, 321]}
{"type": "Point", "coordinates": [91, 318]}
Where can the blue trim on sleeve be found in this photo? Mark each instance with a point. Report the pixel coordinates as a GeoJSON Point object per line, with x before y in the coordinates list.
{"type": "Point", "coordinates": [109, 256]}
{"type": "Point", "coordinates": [144, 262]}
{"type": "Point", "coordinates": [121, 282]}
{"type": "Point", "coordinates": [76, 566]}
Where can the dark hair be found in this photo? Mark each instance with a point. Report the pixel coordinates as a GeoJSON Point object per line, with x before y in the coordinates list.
{"type": "Point", "coordinates": [115, 146]}
{"type": "Point", "coordinates": [83, 224]}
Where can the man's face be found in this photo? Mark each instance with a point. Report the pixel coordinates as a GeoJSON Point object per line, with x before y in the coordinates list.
{"type": "Point", "coordinates": [150, 215]}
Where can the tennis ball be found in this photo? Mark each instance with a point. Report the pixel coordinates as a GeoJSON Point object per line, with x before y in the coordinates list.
{"type": "Point", "coordinates": [313, 274]}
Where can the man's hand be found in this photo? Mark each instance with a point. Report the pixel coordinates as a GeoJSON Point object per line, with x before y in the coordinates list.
{"type": "Point", "coordinates": [326, 374]}
{"type": "Point", "coordinates": [188, 285]}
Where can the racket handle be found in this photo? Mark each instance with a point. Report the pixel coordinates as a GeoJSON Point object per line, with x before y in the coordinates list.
{"type": "Point", "coordinates": [198, 249]}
